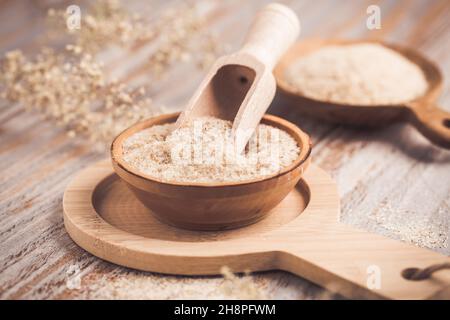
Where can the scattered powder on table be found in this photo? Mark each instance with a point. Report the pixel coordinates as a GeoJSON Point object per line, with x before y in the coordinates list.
{"type": "Point", "coordinates": [202, 151]}
{"type": "Point", "coordinates": [360, 74]}
{"type": "Point", "coordinates": [407, 226]}
{"type": "Point", "coordinates": [130, 284]}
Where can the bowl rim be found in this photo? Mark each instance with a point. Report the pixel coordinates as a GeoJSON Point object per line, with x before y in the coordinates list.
{"type": "Point", "coordinates": [116, 152]}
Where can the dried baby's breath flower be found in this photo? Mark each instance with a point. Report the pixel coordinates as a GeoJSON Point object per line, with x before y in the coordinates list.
{"type": "Point", "coordinates": [184, 37]}
{"type": "Point", "coordinates": [71, 89]}
{"type": "Point", "coordinates": [242, 287]}
{"type": "Point", "coordinates": [106, 22]}
{"type": "Point", "coordinates": [70, 86]}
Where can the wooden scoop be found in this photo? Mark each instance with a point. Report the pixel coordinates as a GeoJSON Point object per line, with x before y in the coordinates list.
{"type": "Point", "coordinates": [423, 112]}
{"type": "Point", "coordinates": [240, 86]}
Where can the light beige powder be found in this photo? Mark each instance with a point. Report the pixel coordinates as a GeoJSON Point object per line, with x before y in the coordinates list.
{"type": "Point", "coordinates": [421, 231]}
{"type": "Point", "coordinates": [361, 74]}
{"type": "Point", "coordinates": [202, 152]}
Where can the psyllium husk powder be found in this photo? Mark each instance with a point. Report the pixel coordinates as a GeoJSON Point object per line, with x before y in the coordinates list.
{"type": "Point", "coordinates": [358, 74]}
{"type": "Point", "coordinates": [203, 151]}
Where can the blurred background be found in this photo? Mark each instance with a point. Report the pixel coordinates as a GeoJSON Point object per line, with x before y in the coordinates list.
{"type": "Point", "coordinates": [66, 92]}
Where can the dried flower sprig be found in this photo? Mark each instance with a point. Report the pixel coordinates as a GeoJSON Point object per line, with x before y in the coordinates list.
{"type": "Point", "coordinates": [242, 287]}
{"type": "Point", "coordinates": [179, 32]}
{"type": "Point", "coordinates": [70, 88]}
{"type": "Point", "coordinates": [107, 22]}
{"type": "Point", "coordinates": [184, 38]}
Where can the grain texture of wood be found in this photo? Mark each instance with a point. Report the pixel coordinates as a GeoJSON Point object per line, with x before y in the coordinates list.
{"type": "Point", "coordinates": [391, 180]}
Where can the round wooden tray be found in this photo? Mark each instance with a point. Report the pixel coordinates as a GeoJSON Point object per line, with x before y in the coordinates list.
{"type": "Point", "coordinates": [301, 235]}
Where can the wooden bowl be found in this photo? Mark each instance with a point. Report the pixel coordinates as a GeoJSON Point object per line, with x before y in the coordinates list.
{"type": "Point", "coordinates": [211, 206]}
{"type": "Point", "coordinates": [423, 112]}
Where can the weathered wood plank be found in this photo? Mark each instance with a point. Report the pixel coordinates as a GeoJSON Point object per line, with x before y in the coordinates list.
{"type": "Point", "coordinates": [390, 172]}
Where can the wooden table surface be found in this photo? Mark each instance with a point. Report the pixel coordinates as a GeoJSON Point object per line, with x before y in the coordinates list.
{"type": "Point", "coordinates": [391, 181]}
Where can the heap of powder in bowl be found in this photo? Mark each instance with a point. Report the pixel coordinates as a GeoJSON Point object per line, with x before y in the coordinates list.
{"type": "Point", "coordinates": [358, 74]}
{"type": "Point", "coordinates": [203, 152]}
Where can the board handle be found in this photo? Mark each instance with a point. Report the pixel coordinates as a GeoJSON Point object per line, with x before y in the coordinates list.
{"type": "Point", "coordinates": [273, 31]}
{"type": "Point", "coordinates": [431, 121]}
{"type": "Point", "coordinates": [359, 265]}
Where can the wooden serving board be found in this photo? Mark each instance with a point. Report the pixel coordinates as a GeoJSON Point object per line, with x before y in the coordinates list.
{"type": "Point", "coordinates": [301, 235]}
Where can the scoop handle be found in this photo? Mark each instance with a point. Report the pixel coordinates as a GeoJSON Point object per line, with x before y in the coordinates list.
{"type": "Point", "coordinates": [359, 265]}
{"type": "Point", "coordinates": [273, 31]}
{"type": "Point", "coordinates": [431, 121]}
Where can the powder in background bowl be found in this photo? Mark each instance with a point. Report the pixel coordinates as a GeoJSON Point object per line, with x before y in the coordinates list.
{"type": "Point", "coordinates": [202, 151]}
{"type": "Point", "coordinates": [359, 74]}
